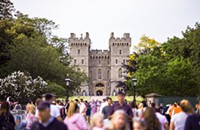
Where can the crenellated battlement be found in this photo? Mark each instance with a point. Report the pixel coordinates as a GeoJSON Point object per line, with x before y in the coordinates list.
{"type": "Point", "coordinates": [99, 54]}
{"type": "Point", "coordinates": [120, 41]}
{"type": "Point", "coordinates": [79, 41]}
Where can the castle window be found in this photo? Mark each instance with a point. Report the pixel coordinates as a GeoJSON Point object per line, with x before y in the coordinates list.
{"type": "Point", "coordinates": [79, 51]}
{"type": "Point", "coordinates": [99, 61]}
{"type": "Point", "coordinates": [99, 74]}
{"type": "Point", "coordinates": [108, 62]}
{"type": "Point", "coordinates": [108, 74]}
{"type": "Point", "coordinates": [78, 70]}
{"type": "Point", "coordinates": [120, 52]}
{"type": "Point", "coordinates": [116, 61]}
{"type": "Point", "coordinates": [91, 74]}
{"type": "Point", "coordinates": [82, 61]}
{"type": "Point", "coordinates": [120, 73]}
{"type": "Point", "coordinates": [124, 61]}
{"type": "Point", "coordinates": [74, 61]}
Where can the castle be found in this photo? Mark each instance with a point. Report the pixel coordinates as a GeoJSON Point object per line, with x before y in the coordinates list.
{"type": "Point", "coordinates": [103, 67]}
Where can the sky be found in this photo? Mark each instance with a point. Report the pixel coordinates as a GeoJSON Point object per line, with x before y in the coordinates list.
{"type": "Point", "coordinates": [158, 19]}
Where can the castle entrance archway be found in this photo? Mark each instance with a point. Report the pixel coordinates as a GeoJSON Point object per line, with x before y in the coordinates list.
{"type": "Point", "coordinates": [99, 88]}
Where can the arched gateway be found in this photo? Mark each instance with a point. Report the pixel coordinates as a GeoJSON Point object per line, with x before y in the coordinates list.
{"type": "Point", "coordinates": [99, 89]}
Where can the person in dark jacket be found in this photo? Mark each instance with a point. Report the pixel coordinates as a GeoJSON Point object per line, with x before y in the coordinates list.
{"type": "Point", "coordinates": [193, 121]}
{"type": "Point", "coordinates": [7, 121]}
{"type": "Point", "coordinates": [46, 121]}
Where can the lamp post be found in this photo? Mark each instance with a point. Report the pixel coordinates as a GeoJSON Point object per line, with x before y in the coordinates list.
{"type": "Point", "coordinates": [134, 80]}
{"type": "Point", "coordinates": [67, 86]}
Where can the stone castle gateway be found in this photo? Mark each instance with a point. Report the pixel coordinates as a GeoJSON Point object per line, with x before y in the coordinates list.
{"type": "Point", "coordinates": [103, 67]}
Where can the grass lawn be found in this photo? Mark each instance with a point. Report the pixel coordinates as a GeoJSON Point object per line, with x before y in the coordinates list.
{"type": "Point", "coordinates": [114, 98]}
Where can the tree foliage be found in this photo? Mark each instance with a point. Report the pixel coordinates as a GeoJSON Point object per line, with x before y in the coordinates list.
{"type": "Point", "coordinates": [170, 69]}
{"type": "Point", "coordinates": [6, 9]}
{"type": "Point", "coordinates": [28, 45]}
{"type": "Point", "coordinates": [21, 86]}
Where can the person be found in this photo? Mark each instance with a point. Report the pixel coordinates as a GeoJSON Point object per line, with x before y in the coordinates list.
{"type": "Point", "coordinates": [134, 108]}
{"type": "Point", "coordinates": [83, 108]}
{"type": "Point", "coordinates": [150, 118]}
{"type": "Point", "coordinates": [77, 102]}
{"type": "Point", "coordinates": [193, 121]}
{"type": "Point", "coordinates": [178, 120]}
{"type": "Point", "coordinates": [197, 111]}
{"type": "Point", "coordinates": [7, 121]}
{"type": "Point", "coordinates": [166, 112]}
{"type": "Point", "coordinates": [61, 108]}
{"type": "Point", "coordinates": [106, 109]}
{"type": "Point", "coordinates": [88, 112]}
{"type": "Point", "coordinates": [163, 120]}
{"type": "Point", "coordinates": [30, 117]}
{"type": "Point", "coordinates": [139, 125]}
{"type": "Point", "coordinates": [97, 122]}
{"type": "Point", "coordinates": [54, 109]}
{"type": "Point", "coordinates": [98, 105]}
{"type": "Point", "coordinates": [119, 121]}
{"type": "Point", "coordinates": [18, 106]}
{"type": "Point", "coordinates": [175, 109]}
{"type": "Point", "coordinates": [103, 104]}
{"type": "Point", "coordinates": [122, 105]}
{"type": "Point", "coordinates": [93, 105]}
{"type": "Point", "coordinates": [75, 120]}
{"type": "Point", "coordinates": [46, 120]}
{"type": "Point", "coordinates": [139, 111]}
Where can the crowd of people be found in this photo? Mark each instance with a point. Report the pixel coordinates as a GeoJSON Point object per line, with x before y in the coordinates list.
{"type": "Point", "coordinates": [51, 114]}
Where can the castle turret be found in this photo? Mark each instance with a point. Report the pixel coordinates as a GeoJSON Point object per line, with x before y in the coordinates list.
{"type": "Point", "coordinates": [119, 52]}
{"type": "Point", "coordinates": [79, 51]}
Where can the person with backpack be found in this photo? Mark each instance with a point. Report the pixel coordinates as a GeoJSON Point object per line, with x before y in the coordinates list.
{"type": "Point", "coordinates": [7, 121]}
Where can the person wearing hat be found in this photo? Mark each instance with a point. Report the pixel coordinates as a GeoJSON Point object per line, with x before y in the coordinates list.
{"type": "Point", "coordinates": [122, 105]}
{"type": "Point", "coordinates": [55, 112]}
{"type": "Point", "coordinates": [45, 120]}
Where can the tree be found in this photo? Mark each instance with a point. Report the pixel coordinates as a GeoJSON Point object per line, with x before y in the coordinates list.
{"type": "Point", "coordinates": [27, 44]}
{"type": "Point", "coordinates": [56, 89]}
{"type": "Point", "coordinates": [170, 69]}
{"type": "Point", "coordinates": [12, 30]}
{"type": "Point", "coordinates": [148, 74]}
{"type": "Point", "coordinates": [180, 78]}
{"type": "Point", "coordinates": [21, 86]}
{"type": "Point", "coordinates": [6, 9]}
{"type": "Point", "coordinates": [145, 46]}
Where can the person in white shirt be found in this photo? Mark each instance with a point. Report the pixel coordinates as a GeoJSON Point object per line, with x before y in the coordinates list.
{"type": "Point", "coordinates": [105, 103]}
{"type": "Point", "coordinates": [163, 120]}
{"type": "Point", "coordinates": [178, 120]}
{"type": "Point", "coordinates": [54, 111]}
{"type": "Point", "coordinates": [83, 108]}
{"type": "Point", "coordinates": [140, 110]}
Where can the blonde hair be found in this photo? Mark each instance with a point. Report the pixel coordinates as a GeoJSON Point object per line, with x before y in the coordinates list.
{"type": "Point", "coordinates": [31, 109]}
{"type": "Point", "coordinates": [72, 109]}
{"type": "Point", "coordinates": [116, 113]}
{"type": "Point", "coordinates": [186, 106]}
{"type": "Point", "coordinates": [96, 117]}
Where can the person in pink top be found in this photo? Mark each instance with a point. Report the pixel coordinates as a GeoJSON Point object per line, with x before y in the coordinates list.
{"type": "Point", "coordinates": [75, 120]}
{"type": "Point", "coordinates": [30, 118]}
